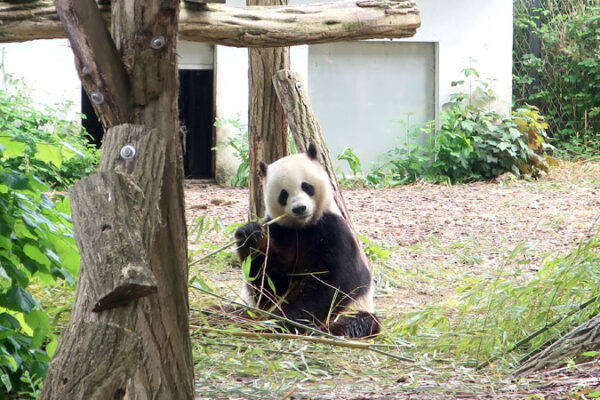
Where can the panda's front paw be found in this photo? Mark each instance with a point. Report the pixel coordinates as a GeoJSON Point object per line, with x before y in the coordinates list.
{"type": "Point", "coordinates": [249, 234]}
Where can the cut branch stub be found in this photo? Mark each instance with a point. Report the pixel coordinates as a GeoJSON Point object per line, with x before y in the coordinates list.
{"type": "Point", "coordinates": [98, 63]}
{"type": "Point", "coordinates": [107, 230]}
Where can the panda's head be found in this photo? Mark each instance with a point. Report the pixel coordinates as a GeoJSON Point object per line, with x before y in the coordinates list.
{"type": "Point", "coordinates": [298, 186]}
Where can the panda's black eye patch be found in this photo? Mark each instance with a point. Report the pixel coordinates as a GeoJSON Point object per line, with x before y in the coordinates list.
{"type": "Point", "coordinates": [308, 188]}
{"type": "Point", "coordinates": [283, 196]}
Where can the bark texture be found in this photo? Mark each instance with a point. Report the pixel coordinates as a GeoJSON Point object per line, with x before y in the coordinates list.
{"type": "Point", "coordinates": [248, 27]}
{"type": "Point", "coordinates": [97, 61]}
{"type": "Point", "coordinates": [584, 338]}
{"type": "Point", "coordinates": [267, 128]}
{"type": "Point", "coordinates": [128, 336]}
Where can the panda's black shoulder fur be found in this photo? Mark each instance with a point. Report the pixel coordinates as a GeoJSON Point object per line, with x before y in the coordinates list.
{"type": "Point", "coordinates": [316, 268]}
{"type": "Point", "coordinates": [326, 246]}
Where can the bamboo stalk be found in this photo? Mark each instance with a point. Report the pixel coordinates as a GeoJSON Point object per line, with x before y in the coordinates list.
{"type": "Point", "coordinates": [328, 338]}
{"type": "Point", "coordinates": [313, 339]}
{"type": "Point", "coordinates": [226, 246]}
{"type": "Point", "coordinates": [535, 334]}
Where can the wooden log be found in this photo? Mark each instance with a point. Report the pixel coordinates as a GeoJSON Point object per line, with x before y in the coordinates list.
{"type": "Point", "coordinates": [267, 125]}
{"type": "Point", "coordinates": [248, 26]}
{"type": "Point", "coordinates": [97, 61]}
{"type": "Point", "coordinates": [108, 375]}
{"type": "Point", "coordinates": [300, 24]}
{"type": "Point", "coordinates": [115, 217]}
{"type": "Point", "coordinates": [585, 337]}
{"type": "Point", "coordinates": [108, 231]}
{"type": "Point", "coordinates": [305, 128]}
{"type": "Point", "coordinates": [143, 167]}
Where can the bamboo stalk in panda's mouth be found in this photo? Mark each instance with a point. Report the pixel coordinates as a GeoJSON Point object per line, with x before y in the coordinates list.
{"type": "Point", "coordinates": [228, 245]}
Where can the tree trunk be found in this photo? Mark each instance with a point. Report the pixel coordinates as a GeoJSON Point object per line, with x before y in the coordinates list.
{"type": "Point", "coordinates": [584, 338]}
{"type": "Point", "coordinates": [128, 334]}
{"type": "Point", "coordinates": [267, 126]}
{"type": "Point", "coordinates": [247, 27]}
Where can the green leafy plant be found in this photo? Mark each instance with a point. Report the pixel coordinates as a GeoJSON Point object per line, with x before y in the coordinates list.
{"type": "Point", "coordinates": [36, 248]}
{"type": "Point", "coordinates": [473, 142]}
{"type": "Point", "coordinates": [36, 242]}
{"type": "Point", "coordinates": [56, 151]}
{"type": "Point", "coordinates": [563, 77]}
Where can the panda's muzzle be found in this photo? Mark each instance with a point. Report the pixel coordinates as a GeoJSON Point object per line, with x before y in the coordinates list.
{"type": "Point", "coordinates": [299, 211]}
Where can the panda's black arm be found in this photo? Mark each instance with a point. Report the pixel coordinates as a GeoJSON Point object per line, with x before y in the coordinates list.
{"type": "Point", "coordinates": [251, 240]}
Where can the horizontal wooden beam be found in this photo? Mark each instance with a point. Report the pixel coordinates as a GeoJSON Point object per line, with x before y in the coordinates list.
{"type": "Point", "coordinates": [245, 26]}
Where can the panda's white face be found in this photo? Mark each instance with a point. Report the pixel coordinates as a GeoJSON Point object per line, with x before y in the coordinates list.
{"type": "Point", "coordinates": [298, 186]}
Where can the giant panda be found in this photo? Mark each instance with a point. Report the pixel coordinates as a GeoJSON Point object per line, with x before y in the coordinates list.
{"type": "Point", "coordinates": [306, 265]}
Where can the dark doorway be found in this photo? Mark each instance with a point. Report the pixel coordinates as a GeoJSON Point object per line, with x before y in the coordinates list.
{"type": "Point", "coordinates": [90, 122]}
{"type": "Point", "coordinates": [195, 115]}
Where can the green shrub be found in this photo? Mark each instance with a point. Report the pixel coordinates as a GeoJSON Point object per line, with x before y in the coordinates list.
{"type": "Point", "coordinates": [473, 142]}
{"type": "Point", "coordinates": [36, 241]}
{"type": "Point", "coordinates": [54, 150]}
{"type": "Point", "coordinates": [564, 78]}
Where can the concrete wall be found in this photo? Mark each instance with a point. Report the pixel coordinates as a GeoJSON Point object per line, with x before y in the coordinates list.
{"type": "Point", "coordinates": [470, 33]}
{"type": "Point", "coordinates": [48, 69]}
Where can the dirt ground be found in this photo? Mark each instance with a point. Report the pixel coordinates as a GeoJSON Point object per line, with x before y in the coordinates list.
{"type": "Point", "coordinates": [423, 224]}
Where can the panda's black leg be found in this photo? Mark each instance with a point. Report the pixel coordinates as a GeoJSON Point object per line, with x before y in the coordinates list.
{"type": "Point", "coordinates": [360, 324]}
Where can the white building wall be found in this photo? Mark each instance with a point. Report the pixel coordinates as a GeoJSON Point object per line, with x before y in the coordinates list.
{"type": "Point", "coordinates": [464, 34]}
{"type": "Point", "coordinates": [470, 33]}
{"type": "Point", "coordinates": [48, 69]}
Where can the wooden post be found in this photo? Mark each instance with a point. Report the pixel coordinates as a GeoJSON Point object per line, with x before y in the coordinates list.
{"type": "Point", "coordinates": [128, 334]}
{"type": "Point", "coordinates": [267, 126]}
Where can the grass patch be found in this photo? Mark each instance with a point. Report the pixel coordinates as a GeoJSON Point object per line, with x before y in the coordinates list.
{"type": "Point", "coordinates": [495, 317]}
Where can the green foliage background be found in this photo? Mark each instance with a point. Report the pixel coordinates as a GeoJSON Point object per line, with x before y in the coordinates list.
{"type": "Point", "coordinates": [38, 151]}
{"type": "Point", "coordinates": [563, 80]}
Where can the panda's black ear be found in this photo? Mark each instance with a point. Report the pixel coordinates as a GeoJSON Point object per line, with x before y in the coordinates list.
{"type": "Point", "coordinates": [263, 169]}
{"type": "Point", "coordinates": [312, 151]}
